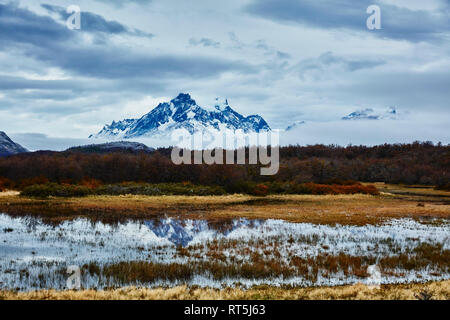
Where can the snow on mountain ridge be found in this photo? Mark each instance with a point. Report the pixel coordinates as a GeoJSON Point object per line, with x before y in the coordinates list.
{"type": "Point", "coordinates": [9, 147]}
{"type": "Point", "coordinates": [183, 113]}
{"type": "Point", "coordinates": [370, 114]}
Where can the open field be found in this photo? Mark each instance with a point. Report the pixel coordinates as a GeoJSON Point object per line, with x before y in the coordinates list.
{"type": "Point", "coordinates": [421, 291]}
{"type": "Point", "coordinates": [393, 203]}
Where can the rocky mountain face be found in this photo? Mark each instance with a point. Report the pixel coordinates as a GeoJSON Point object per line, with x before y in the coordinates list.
{"type": "Point", "coordinates": [9, 147]}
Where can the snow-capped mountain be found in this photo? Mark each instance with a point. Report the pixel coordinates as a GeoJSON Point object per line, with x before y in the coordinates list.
{"type": "Point", "coordinates": [294, 125]}
{"type": "Point", "coordinates": [370, 114]}
{"type": "Point", "coordinates": [183, 113]}
{"type": "Point", "coordinates": [9, 147]}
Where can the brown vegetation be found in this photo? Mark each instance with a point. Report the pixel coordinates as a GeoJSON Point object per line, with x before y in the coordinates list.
{"type": "Point", "coordinates": [432, 290]}
{"type": "Point", "coordinates": [262, 261]}
{"type": "Point", "coordinates": [321, 209]}
{"type": "Point", "coordinates": [416, 163]}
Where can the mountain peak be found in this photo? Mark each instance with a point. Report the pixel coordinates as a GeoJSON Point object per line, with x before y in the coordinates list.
{"type": "Point", "coordinates": [183, 98]}
{"type": "Point", "coordinates": [183, 113]}
{"type": "Point", "coordinates": [221, 104]}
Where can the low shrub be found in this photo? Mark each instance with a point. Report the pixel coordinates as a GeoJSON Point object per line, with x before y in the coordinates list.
{"type": "Point", "coordinates": [443, 187]}
{"type": "Point", "coordinates": [65, 190]}
{"type": "Point", "coordinates": [159, 189]}
{"type": "Point", "coordinates": [56, 190]}
{"type": "Point", "coordinates": [185, 188]}
{"type": "Point", "coordinates": [260, 190]}
{"type": "Point", "coordinates": [321, 189]}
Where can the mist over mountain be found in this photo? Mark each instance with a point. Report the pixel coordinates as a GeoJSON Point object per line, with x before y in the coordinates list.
{"type": "Point", "coordinates": [371, 114]}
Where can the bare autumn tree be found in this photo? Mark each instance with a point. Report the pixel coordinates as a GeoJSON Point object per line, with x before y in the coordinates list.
{"type": "Point", "coordinates": [414, 163]}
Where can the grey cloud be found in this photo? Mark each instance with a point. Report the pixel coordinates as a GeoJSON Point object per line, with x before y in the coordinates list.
{"type": "Point", "coordinates": [28, 89]}
{"type": "Point", "coordinates": [237, 44]}
{"type": "Point", "coordinates": [19, 26]}
{"type": "Point", "coordinates": [17, 83]}
{"type": "Point", "coordinates": [396, 22]}
{"type": "Point", "coordinates": [283, 55]}
{"type": "Point", "coordinates": [100, 76]}
{"type": "Point", "coordinates": [323, 64]}
{"type": "Point", "coordinates": [410, 90]}
{"type": "Point", "coordinates": [37, 37]}
{"type": "Point", "coordinates": [118, 63]}
{"type": "Point", "coordinates": [258, 44]}
{"type": "Point", "coordinates": [205, 42]}
{"type": "Point", "coordinates": [91, 22]}
{"type": "Point", "coordinates": [39, 141]}
{"type": "Point", "coordinates": [407, 90]}
{"type": "Point", "coordinates": [121, 3]}
{"type": "Point", "coordinates": [261, 44]}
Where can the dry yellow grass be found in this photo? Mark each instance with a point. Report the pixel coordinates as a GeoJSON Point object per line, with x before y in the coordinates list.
{"type": "Point", "coordinates": [433, 290]}
{"type": "Point", "coordinates": [411, 190]}
{"type": "Point", "coordinates": [9, 193]}
{"type": "Point", "coordinates": [337, 209]}
{"type": "Point", "coordinates": [319, 209]}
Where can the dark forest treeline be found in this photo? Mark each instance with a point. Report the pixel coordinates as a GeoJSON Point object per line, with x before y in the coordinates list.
{"type": "Point", "coordinates": [416, 163]}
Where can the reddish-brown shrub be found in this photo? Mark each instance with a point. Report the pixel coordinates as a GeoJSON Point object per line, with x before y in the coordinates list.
{"type": "Point", "coordinates": [260, 190]}
{"type": "Point", "coordinates": [91, 183]}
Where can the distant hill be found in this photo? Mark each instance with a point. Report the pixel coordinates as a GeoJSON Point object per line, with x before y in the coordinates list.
{"type": "Point", "coordinates": [9, 147]}
{"type": "Point", "coordinates": [119, 146]}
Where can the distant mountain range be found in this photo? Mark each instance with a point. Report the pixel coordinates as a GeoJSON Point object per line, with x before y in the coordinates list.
{"type": "Point", "coordinates": [370, 114]}
{"type": "Point", "coordinates": [9, 147]}
{"type": "Point", "coordinates": [363, 114]}
{"type": "Point", "coordinates": [183, 113]}
{"type": "Point", "coordinates": [119, 146]}
{"type": "Point", "coordinates": [294, 125]}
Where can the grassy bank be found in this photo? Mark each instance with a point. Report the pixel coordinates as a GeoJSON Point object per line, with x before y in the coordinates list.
{"type": "Point", "coordinates": [354, 209]}
{"type": "Point", "coordinates": [419, 291]}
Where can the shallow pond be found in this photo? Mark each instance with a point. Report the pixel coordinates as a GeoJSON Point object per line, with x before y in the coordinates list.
{"type": "Point", "coordinates": [168, 252]}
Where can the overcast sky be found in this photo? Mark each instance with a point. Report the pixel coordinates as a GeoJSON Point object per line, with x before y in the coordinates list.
{"type": "Point", "coordinates": [286, 60]}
